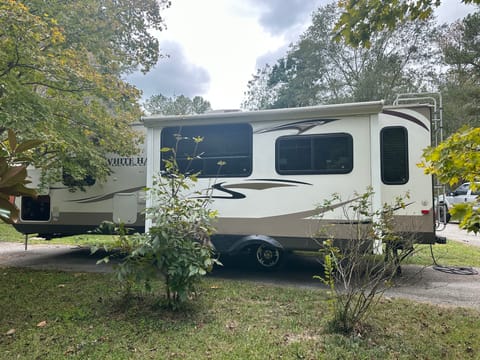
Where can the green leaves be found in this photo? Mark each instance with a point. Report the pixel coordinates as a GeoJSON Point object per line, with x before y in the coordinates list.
{"type": "Point", "coordinates": [362, 20]}
{"type": "Point", "coordinates": [61, 68]}
{"type": "Point", "coordinates": [176, 105]}
{"type": "Point", "coordinates": [454, 160]}
{"type": "Point", "coordinates": [177, 248]}
{"type": "Point", "coordinates": [357, 278]}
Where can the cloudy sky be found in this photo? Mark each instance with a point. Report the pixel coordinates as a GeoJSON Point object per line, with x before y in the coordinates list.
{"type": "Point", "coordinates": [215, 46]}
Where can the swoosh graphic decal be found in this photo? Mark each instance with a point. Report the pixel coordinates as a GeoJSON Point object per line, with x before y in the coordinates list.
{"type": "Point", "coordinates": [319, 211]}
{"type": "Point", "coordinates": [264, 184]}
{"type": "Point", "coordinates": [406, 117]}
{"type": "Point", "coordinates": [257, 186]}
{"type": "Point", "coordinates": [282, 181]}
{"type": "Point", "coordinates": [307, 213]}
{"type": "Point", "coordinates": [109, 196]}
{"type": "Point", "coordinates": [234, 194]}
{"type": "Point", "coordinates": [300, 126]}
{"type": "Point", "coordinates": [251, 184]}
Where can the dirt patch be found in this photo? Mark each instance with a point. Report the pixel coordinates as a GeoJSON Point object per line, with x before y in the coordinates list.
{"type": "Point", "coordinates": [51, 257]}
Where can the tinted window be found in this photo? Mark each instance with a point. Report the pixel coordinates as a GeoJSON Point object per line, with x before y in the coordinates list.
{"type": "Point", "coordinates": [227, 144]}
{"type": "Point", "coordinates": [36, 209]}
{"type": "Point", "coordinates": [316, 154]}
{"type": "Point", "coordinates": [394, 155]}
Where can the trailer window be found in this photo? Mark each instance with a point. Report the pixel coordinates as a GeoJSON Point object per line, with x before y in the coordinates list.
{"type": "Point", "coordinates": [35, 209]}
{"type": "Point", "coordinates": [394, 155]}
{"type": "Point", "coordinates": [225, 151]}
{"type": "Point", "coordinates": [316, 154]}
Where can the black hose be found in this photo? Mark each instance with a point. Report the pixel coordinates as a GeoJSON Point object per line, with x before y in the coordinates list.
{"type": "Point", "coordinates": [456, 270]}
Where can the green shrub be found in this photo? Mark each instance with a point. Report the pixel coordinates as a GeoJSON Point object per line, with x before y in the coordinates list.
{"type": "Point", "coordinates": [356, 276]}
{"type": "Point", "coordinates": [177, 247]}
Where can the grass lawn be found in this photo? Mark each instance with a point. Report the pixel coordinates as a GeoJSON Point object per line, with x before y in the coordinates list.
{"type": "Point", "coordinates": [452, 253]}
{"type": "Point", "coordinates": [8, 233]}
{"type": "Point", "coordinates": [52, 315]}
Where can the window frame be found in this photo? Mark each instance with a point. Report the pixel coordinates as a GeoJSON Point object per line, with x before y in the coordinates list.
{"type": "Point", "coordinates": [312, 171]}
{"type": "Point", "coordinates": [36, 212]}
{"type": "Point", "coordinates": [405, 155]}
{"type": "Point", "coordinates": [222, 157]}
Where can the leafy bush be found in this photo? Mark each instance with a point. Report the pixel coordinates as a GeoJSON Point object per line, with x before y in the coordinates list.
{"type": "Point", "coordinates": [177, 248]}
{"type": "Point", "coordinates": [455, 160]}
{"type": "Point", "coordinates": [356, 276]}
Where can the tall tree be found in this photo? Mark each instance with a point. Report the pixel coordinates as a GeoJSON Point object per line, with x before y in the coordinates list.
{"type": "Point", "coordinates": [318, 70]}
{"type": "Point", "coordinates": [259, 94]}
{"type": "Point", "coordinates": [60, 77]}
{"type": "Point", "coordinates": [360, 20]}
{"type": "Point", "coordinates": [460, 45]}
{"type": "Point", "coordinates": [457, 159]}
{"type": "Point", "coordinates": [118, 33]}
{"type": "Point", "coordinates": [200, 105]}
{"type": "Point", "coordinates": [176, 105]}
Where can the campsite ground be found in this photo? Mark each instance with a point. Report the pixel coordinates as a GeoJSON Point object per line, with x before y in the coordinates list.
{"type": "Point", "coordinates": [425, 284]}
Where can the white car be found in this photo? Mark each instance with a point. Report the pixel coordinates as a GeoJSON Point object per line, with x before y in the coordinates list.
{"type": "Point", "coordinates": [462, 194]}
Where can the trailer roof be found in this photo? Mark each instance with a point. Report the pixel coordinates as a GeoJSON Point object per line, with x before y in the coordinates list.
{"type": "Point", "coordinates": [300, 113]}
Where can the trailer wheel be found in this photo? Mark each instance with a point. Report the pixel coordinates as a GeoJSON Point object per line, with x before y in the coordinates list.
{"type": "Point", "coordinates": [268, 257]}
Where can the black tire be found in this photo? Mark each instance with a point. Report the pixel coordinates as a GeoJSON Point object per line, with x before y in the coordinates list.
{"type": "Point", "coordinates": [267, 257]}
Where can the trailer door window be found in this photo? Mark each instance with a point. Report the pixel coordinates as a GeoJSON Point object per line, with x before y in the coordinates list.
{"type": "Point", "coordinates": [315, 154]}
{"type": "Point", "coordinates": [225, 150]}
{"type": "Point", "coordinates": [394, 155]}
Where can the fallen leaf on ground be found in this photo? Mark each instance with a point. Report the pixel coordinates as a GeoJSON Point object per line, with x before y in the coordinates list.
{"type": "Point", "coordinates": [10, 332]}
{"type": "Point", "coordinates": [231, 325]}
{"type": "Point", "coordinates": [42, 324]}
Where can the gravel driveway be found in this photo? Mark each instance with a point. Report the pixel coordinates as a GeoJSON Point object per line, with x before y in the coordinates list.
{"type": "Point", "coordinates": [417, 283]}
{"type": "Point", "coordinates": [452, 232]}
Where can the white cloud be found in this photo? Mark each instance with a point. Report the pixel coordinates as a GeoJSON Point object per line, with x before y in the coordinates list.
{"type": "Point", "coordinates": [215, 46]}
{"type": "Point", "coordinates": [223, 37]}
{"type": "Point", "coordinates": [221, 41]}
{"type": "Point", "coordinates": [279, 16]}
{"type": "Point", "coordinates": [452, 10]}
{"type": "Point", "coordinates": [173, 75]}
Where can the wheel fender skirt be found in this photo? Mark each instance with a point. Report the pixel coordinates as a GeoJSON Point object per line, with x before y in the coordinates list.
{"type": "Point", "coordinates": [253, 240]}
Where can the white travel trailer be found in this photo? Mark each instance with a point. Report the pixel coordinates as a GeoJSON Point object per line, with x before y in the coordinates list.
{"type": "Point", "coordinates": [280, 164]}
{"type": "Point", "coordinates": [57, 211]}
